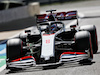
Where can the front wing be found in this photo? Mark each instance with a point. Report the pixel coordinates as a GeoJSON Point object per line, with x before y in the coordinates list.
{"type": "Point", "coordinates": [29, 61]}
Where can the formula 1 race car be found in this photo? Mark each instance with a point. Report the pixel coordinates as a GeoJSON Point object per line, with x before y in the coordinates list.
{"type": "Point", "coordinates": [52, 42]}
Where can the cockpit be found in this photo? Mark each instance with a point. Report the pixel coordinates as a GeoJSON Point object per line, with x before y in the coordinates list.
{"type": "Point", "coordinates": [50, 27]}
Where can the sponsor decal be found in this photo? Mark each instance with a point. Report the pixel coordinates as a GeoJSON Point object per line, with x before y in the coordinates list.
{"type": "Point", "coordinates": [47, 41]}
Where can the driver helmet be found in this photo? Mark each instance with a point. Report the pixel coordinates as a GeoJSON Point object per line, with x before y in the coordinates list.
{"type": "Point", "coordinates": [53, 27]}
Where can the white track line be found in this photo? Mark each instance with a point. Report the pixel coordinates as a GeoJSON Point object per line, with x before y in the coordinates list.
{"type": "Point", "coordinates": [3, 51]}
{"type": "Point", "coordinates": [2, 68]}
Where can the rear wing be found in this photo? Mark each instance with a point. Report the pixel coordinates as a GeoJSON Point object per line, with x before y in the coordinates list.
{"type": "Point", "coordinates": [70, 15]}
{"type": "Point", "coordinates": [66, 15]}
{"type": "Point", "coordinates": [41, 18]}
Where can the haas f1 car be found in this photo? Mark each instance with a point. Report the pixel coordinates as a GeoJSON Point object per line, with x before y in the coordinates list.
{"type": "Point", "coordinates": [52, 42]}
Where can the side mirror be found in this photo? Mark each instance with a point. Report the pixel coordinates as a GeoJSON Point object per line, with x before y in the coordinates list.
{"type": "Point", "coordinates": [27, 31]}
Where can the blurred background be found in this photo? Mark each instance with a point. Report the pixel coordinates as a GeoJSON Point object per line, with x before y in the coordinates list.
{"type": "Point", "coordinates": [7, 4]}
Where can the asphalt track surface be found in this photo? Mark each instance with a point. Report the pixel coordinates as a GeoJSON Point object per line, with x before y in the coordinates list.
{"type": "Point", "coordinates": [91, 16]}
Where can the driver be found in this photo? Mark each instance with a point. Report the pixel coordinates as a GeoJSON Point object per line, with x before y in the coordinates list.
{"type": "Point", "coordinates": [53, 28]}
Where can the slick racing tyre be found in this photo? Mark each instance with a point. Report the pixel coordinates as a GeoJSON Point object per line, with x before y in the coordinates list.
{"type": "Point", "coordinates": [14, 48]}
{"type": "Point", "coordinates": [83, 42]}
{"type": "Point", "coordinates": [93, 32]}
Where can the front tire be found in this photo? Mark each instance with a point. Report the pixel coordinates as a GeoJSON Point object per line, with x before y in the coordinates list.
{"type": "Point", "coordinates": [93, 32]}
{"type": "Point", "coordinates": [83, 42]}
{"type": "Point", "coordinates": [14, 48]}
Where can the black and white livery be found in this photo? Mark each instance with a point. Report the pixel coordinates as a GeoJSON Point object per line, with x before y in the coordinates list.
{"type": "Point", "coordinates": [55, 42]}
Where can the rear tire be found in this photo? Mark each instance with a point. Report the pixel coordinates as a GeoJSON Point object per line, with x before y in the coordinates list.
{"type": "Point", "coordinates": [14, 49]}
{"type": "Point", "coordinates": [93, 32]}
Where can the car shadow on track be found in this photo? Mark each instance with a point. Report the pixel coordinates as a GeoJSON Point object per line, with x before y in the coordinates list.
{"type": "Point", "coordinates": [52, 67]}
{"type": "Point", "coordinates": [98, 53]}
